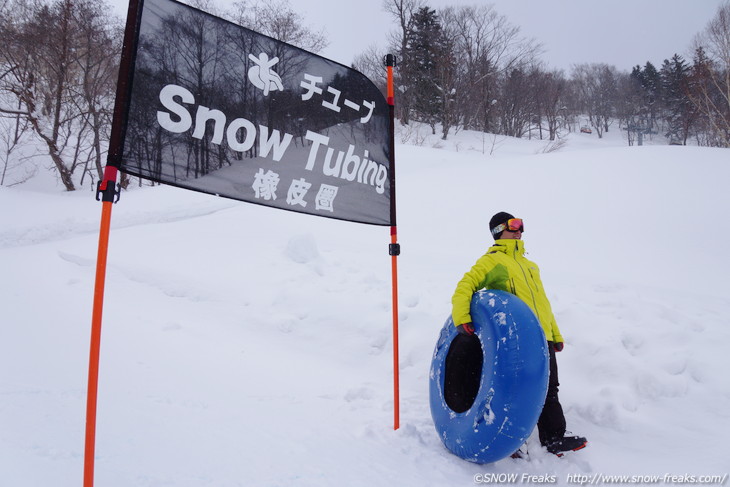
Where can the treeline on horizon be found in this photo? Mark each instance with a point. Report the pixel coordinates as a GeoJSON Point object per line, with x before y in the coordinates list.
{"type": "Point", "coordinates": [468, 67]}
{"type": "Point", "coordinates": [458, 68]}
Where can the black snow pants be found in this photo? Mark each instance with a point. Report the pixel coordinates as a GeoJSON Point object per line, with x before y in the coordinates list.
{"type": "Point", "coordinates": [551, 424]}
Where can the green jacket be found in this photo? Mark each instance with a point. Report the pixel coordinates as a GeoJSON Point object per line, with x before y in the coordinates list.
{"type": "Point", "coordinates": [506, 268]}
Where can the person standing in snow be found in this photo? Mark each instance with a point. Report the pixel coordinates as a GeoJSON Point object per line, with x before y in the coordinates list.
{"type": "Point", "coordinates": [504, 267]}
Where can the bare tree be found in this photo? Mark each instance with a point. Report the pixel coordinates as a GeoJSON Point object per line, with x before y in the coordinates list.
{"type": "Point", "coordinates": [516, 105]}
{"type": "Point", "coordinates": [447, 79]}
{"type": "Point", "coordinates": [36, 60]}
{"type": "Point", "coordinates": [13, 128]}
{"type": "Point", "coordinates": [403, 12]}
{"type": "Point", "coordinates": [277, 19]}
{"type": "Point", "coordinates": [370, 63]}
{"type": "Point", "coordinates": [487, 48]}
{"type": "Point", "coordinates": [597, 88]}
{"type": "Point", "coordinates": [12, 125]}
{"type": "Point", "coordinates": [100, 38]}
{"type": "Point", "coordinates": [631, 110]}
{"type": "Point", "coordinates": [548, 91]}
{"type": "Point", "coordinates": [711, 94]}
{"type": "Point", "coordinates": [52, 76]}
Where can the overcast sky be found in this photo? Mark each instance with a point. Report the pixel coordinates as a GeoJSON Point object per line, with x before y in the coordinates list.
{"type": "Point", "coordinates": [622, 33]}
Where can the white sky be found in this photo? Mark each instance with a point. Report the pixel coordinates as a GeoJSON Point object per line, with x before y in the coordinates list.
{"type": "Point", "coordinates": [622, 33]}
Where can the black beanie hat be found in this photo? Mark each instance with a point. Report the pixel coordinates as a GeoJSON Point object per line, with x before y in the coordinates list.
{"type": "Point", "coordinates": [497, 220]}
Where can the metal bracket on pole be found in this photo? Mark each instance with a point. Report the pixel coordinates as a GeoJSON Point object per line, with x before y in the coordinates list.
{"type": "Point", "coordinates": [390, 60]}
{"type": "Point", "coordinates": [108, 191]}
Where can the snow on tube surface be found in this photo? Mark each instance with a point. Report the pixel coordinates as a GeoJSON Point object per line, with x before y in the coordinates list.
{"type": "Point", "coordinates": [487, 390]}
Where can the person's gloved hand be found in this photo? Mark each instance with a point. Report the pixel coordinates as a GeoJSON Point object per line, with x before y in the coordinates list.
{"type": "Point", "coordinates": [465, 329]}
{"type": "Point", "coordinates": [558, 346]}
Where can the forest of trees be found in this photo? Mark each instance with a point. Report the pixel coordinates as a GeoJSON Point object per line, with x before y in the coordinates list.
{"type": "Point", "coordinates": [458, 68]}
{"type": "Point", "coordinates": [468, 67]}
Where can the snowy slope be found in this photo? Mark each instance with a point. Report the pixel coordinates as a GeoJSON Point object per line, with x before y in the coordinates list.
{"type": "Point", "coordinates": [246, 346]}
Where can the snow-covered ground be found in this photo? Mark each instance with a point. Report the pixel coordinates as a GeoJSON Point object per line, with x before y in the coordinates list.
{"type": "Point", "coordinates": [246, 346]}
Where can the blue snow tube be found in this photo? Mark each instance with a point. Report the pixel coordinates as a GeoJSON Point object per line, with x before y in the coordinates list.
{"type": "Point", "coordinates": [487, 390]}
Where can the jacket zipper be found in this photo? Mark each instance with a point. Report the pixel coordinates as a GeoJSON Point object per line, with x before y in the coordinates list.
{"type": "Point", "coordinates": [532, 294]}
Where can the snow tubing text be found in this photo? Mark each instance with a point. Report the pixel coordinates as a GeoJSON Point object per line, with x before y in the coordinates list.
{"type": "Point", "coordinates": [487, 390]}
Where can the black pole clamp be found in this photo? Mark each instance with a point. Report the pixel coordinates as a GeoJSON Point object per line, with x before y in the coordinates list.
{"type": "Point", "coordinates": [394, 249]}
{"type": "Point", "coordinates": [110, 191]}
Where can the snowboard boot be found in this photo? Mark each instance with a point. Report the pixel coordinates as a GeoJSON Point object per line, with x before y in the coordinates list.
{"type": "Point", "coordinates": [559, 446]}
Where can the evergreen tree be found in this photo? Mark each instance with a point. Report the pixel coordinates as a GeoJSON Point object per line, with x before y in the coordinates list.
{"type": "Point", "coordinates": [651, 84]}
{"type": "Point", "coordinates": [680, 113]}
{"type": "Point", "coordinates": [426, 48]}
{"type": "Point", "coordinates": [649, 80]}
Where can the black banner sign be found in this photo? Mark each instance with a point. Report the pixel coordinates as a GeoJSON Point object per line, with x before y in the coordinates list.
{"type": "Point", "coordinates": [221, 109]}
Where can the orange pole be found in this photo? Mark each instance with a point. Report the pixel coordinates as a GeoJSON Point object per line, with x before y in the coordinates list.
{"type": "Point", "coordinates": [108, 191]}
{"type": "Point", "coordinates": [394, 249]}
{"type": "Point", "coordinates": [396, 363]}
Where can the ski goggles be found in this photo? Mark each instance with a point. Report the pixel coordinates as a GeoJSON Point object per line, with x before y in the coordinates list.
{"type": "Point", "coordinates": [512, 225]}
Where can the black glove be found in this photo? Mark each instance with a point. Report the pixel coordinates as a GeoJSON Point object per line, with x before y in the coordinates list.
{"type": "Point", "coordinates": [558, 346]}
{"type": "Point", "coordinates": [465, 329]}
